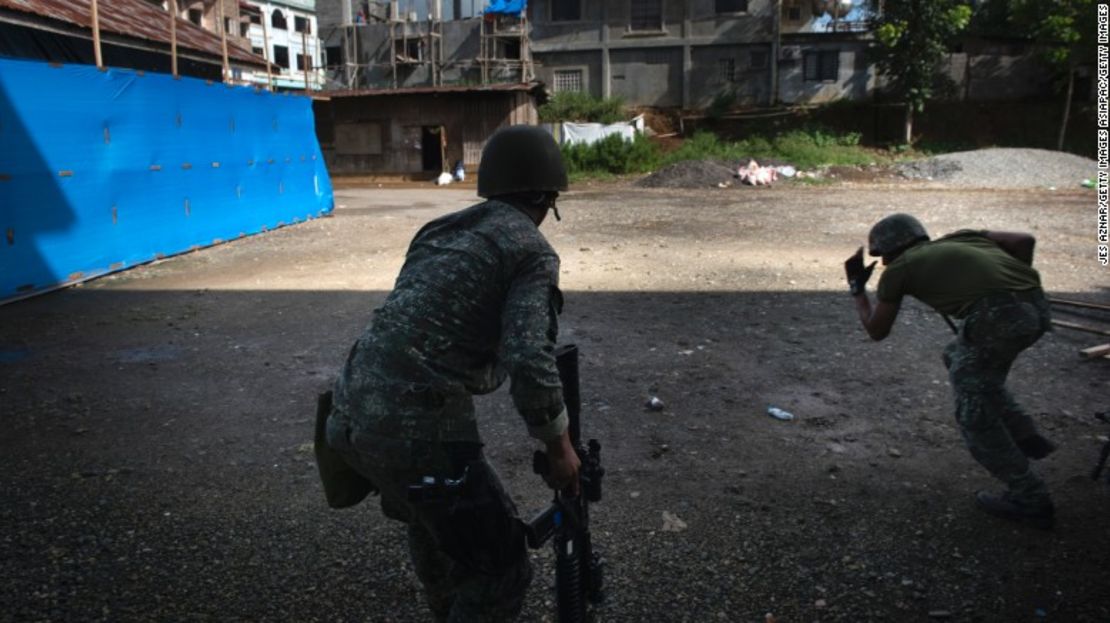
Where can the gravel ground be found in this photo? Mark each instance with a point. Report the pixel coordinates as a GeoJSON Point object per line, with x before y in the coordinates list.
{"type": "Point", "coordinates": [690, 174]}
{"type": "Point", "coordinates": [156, 461]}
{"type": "Point", "coordinates": [1003, 167]}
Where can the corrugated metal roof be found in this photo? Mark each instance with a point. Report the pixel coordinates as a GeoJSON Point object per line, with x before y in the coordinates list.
{"type": "Point", "coordinates": [134, 18]}
{"type": "Point", "coordinates": [498, 87]}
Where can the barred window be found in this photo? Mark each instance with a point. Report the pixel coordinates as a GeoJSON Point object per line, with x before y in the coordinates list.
{"type": "Point", "coordinates": [726, 69]}
{"type": "Point", "coordinates": [821, 65]}
{"type": "Point", "coordinates": [646, 15]}
{"type": "Point", "coordinates": [277, 20]}
{"type": "Point", "coordinates": [281, 56]}
{"type": "Point", "coordinates": [568, 80]}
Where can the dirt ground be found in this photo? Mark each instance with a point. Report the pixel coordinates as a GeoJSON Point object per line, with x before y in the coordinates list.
{"type": "Point", "coordinates": [156, 463]}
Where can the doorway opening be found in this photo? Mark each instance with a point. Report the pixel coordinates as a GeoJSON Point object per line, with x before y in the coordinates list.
{"type": "Point", "coordinates": [433, 142]}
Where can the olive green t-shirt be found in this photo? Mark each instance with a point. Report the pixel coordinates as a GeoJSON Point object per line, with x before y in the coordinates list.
{"type": "Point", "coordinates": [951, 273]}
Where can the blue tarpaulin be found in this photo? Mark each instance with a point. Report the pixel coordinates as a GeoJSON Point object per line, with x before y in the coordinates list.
{"type": "Point", "coordinates": [103, 170]}
{"type": "Point", "coordinates": [506, 7]}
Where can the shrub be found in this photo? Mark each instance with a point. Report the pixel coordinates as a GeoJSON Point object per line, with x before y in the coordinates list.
{"type": "Point", "coordinates": [613, 154]}
{"type": "Point", "coordinates": [581, 107]}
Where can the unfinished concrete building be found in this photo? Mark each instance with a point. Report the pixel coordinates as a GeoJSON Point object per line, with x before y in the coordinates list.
{"type": "Point", "coordinates": [661, 53]}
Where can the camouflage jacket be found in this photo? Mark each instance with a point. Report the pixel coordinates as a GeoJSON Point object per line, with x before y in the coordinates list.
{"type": "Point", "coordinates": [476, 302]}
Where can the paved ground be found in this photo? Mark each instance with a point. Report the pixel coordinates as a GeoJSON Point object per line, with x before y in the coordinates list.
{"type": "Point", "coordinates": [155, 461]}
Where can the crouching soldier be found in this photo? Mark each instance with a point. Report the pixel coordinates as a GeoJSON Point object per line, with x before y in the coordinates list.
{"type": "Point", "coordinates": [985, 278]}
{"type": "Point", "coordinates": [476, 302]}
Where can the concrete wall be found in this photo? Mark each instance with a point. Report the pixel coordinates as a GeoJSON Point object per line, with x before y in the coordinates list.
{"type": "Point", "coordinates": [855, 79]}
{"type": "Point", "coordinates": [382, 134]}
{"type": "Point", "coordinates": [654, 67]}
{"type": "Point", "coordinates": [993, 76]}
{"type": "Point", "coordinates": [750, 84]}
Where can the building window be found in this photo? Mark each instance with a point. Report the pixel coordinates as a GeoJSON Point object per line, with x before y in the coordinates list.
{"type": "Point", "coordinates": [568, 80]}
{"type": "Point", "coordinates": [277, 20]}
{"type": "Point", "coordinates": [301, 24]}
{"type": "Point", "coordinates": [227, 24]}
{"type": "Point", "coordinates": [758, 59]}
{"type": "Point", "coordinates": [646, 15]}
{"type": "Point", "coordinates": [255, 18]}
{"type": "Point", "coordinates": [726, 69]}
{"type": "Point", "coordinates": [333, 55]}
{"type": "Point", "coordinates": [257, 51]}
{"type": "Point", "coordinates": [409, 50]}
{"type": "Point", "coordinates": [732, 6]}
{"type": "Point", "coordinates": [304, 62]}
{"type": "Point", "coordinates": [566, 10]}
{"type": "Point", "coordinates": [281, 55]}
{"type": "Point", "coordinates": [822, 65]}
{"type": "Point", "coordinates": [195, 16]}
{"type": "Point", "coordinates": [244, 29]}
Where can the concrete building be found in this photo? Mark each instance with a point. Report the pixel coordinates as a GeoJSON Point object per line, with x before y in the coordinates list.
{"type": "Point", "coordinates": [663, 53]}
{"type": "Point", "coordinates": [286, 33]}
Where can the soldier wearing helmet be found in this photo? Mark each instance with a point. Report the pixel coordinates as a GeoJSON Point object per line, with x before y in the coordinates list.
{"type": "Point", "coordinates": [987, 280]}
{"type": "Point", "coordinates": [476, 303]}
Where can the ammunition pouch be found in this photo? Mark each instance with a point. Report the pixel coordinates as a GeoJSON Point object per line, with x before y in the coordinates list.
{"type": "Point", "coordinates": [343, 486]}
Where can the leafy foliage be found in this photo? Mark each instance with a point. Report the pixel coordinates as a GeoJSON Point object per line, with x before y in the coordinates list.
{"type": "Point", "coordinates": [912, 38]}
{"type": "Point", "coordinates": [582, 108]}
{"type": "Point", "coordinates": [805, 148]}
{"type": "Point", "coordinates": [1064, 28]}
{"type": "Point", "coordinates": [613, 155]}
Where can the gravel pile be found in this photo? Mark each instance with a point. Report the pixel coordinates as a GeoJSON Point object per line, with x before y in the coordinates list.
{"type": "Point", "coordinates": [1003, 167]}
{"type": "Point", "coordinates": [690, 174]}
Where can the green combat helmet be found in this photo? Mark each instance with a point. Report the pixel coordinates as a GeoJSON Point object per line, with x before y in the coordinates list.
{"type": "Point", "coordinates": [521, 158]}
{"type": "Point", "coordinates": [894, 233]}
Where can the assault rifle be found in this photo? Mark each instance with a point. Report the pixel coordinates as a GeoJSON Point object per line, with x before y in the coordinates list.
{"type": "Point", "coordinates": [578, 568]}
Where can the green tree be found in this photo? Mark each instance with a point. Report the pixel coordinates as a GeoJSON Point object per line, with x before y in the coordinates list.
{"type": "Point", "coordinates": [912, 38]}
{"type": "Point", "coordinates": [1065, 31]}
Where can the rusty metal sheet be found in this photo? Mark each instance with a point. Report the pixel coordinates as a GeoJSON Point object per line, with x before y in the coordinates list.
{"type": "Point", "coordinates": [134, 18]}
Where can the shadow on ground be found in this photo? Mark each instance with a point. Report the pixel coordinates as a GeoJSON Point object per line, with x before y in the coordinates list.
{"type": "Point", "coordinates": [156, 465]}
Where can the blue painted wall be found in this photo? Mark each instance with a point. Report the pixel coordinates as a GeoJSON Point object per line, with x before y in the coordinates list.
{"type": "Point", "coordinates": [103, 170]}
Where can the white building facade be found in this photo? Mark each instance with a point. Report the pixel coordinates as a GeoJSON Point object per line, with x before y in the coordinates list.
{"type": "Point", "coordinates": [286, 33]}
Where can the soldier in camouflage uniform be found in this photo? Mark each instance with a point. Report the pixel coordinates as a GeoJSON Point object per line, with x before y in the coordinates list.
{"type": "Point", "coordinates": [475, 303]}
{"type": "Point", "coordinates": [985, 278]}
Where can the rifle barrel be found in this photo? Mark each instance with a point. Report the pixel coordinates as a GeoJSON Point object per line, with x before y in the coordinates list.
{"type": "Point", "coordinates": [566, 360]}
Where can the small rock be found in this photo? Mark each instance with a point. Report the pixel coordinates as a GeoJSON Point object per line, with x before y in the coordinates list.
{"type": "Point", "coordinates": [672, 523]}
{"type": "Point", "coordinates": [655, 404]}
{"type": "Point", "coordinates": [634, 495]}
{"type": "Point", "coordinates": [894, 452]}
{"type": "Point", "coordinates": [940, 614]}
{"type": "Point", "coordinates": [820, 603]}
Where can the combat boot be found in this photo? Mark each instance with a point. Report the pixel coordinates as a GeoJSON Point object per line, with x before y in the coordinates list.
{"type": "Point", "coordinates": [1041, 515]}
{"type": "Point", "coordinates": [1035, 446]}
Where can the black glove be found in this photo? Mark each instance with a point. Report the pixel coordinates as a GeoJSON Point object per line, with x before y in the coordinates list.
{"type": "Point", "coordinates": [857, 273]}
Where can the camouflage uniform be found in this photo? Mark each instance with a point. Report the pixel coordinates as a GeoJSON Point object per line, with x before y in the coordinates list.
{"type": "Point", "coordinates": [996, 329]}
{"type": "Point", "coordinates": [475, 303]}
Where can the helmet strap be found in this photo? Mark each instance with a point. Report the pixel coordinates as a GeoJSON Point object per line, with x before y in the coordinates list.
{"type": "Point", "coordinates": [556, 211]}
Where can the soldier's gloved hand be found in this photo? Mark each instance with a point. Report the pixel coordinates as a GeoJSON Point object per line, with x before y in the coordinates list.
{"type": "Point", "coordinates": [857, 273]}
{"type": "Point", "coordinates": [563, 464]}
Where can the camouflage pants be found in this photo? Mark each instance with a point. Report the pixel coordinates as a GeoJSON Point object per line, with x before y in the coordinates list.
{"type": "Point", "coordinates": [995, 331]}
{"type": "Point", "coordinates": [472, 562]}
